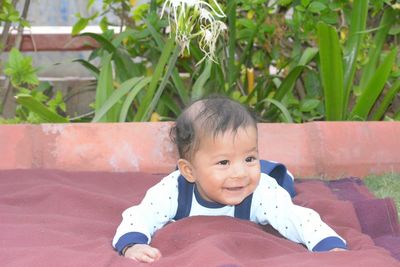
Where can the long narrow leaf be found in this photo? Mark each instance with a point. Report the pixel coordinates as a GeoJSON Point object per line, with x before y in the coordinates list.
{"type": "Point", "coordinates": [357, 27]}
{"type": "Point", "coordinates": [198, 86]}
{"type": "Point", "coordinates": [115, 97]}
{"type": "Point", "coordinates": [374, 87]}
{"type": "Point", "coordinates": [107, 45]}
{"type": "Point", "coordinates": [40, 109]}
{"type": "Point", "coordinates": [171, 104]}
{"type": "Point", "coordinates": [130, 33]}
{"type": "Point", "coordinates": [92, 68]}
{"type": "Point", "coordinates": [171, 64]}
{"type": "Point", "coordinates": [231, 43]}
{"type": "Point", "coordinates": [284, 112]}
{"type": "Point", "coordinates": [147, 100]}
{"type": "Point", "coordinates": [104, 85]}
{"type": "Point", "coordinates": [179, 86]}
{"type": "Point", "coordinates": [374, 52]}
{"type": "Point", "coordinates": [288, 83]}
{"type": "Point", "coordinates": [331, 68]}
{"type": "Point", "coordinates": [130, 97]}
{"type": "Point", "coordinates": [387, 100]}
{"type": "Point", "coordinates": [308, 54]}
{"type": "Point", "coordinates": [156, 35]}
{"type": "Point", "coordinates": [125, 68]}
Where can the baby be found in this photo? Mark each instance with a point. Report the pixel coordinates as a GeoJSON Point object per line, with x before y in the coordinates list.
{"type": "Point", "coordinates": [219, 174]}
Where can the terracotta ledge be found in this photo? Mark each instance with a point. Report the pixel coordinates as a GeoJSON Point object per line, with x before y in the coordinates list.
{"type": "Point", "coordinates": [56, 38]}
{"type": "Point", "coordinates": [54, 42]}
{"type": "Point", "coordinates": [317, 149]}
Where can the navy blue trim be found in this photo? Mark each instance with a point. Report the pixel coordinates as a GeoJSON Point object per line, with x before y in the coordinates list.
{"type": "Point", "coordinates": [329, 243]}
{"type": "Point", "coordinates": [206, 203]}
{"type": "Point", "coordinates": [129, 239]}
{"type": "Point", "coordinates": [242, 211]}
{"type": "Point", "coordinates": [185, 193]}
{"type": "Point", "coordinates": [279, 172]}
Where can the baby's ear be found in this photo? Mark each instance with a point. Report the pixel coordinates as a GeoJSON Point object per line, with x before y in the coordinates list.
{"type": "Point", "coordinates": [186, 170]}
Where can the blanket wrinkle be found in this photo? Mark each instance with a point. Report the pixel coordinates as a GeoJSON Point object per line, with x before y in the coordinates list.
{"type": "Point", "coordinates": [58, 218]}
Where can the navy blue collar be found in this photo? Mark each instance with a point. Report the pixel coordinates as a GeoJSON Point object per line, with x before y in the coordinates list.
{"type": "Point", "coordinates": [206, 203]}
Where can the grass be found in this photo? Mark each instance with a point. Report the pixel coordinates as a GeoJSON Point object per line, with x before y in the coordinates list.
{"type": "Point", "coordinates": [387, 185]}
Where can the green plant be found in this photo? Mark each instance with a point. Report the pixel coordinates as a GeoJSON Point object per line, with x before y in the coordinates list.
{"type": "Point", "coordinates": [34, 105]}
{"type": "Point", "coordinates": [10, 16]}
{"type": "Point", "coordinates": [338, 67]}
{"type": "Point", "coordinates": [267, 61]}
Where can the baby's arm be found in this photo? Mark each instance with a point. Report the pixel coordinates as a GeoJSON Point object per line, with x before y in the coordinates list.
{"type": "Point", "coordinates": [140, 222]}
{"type": "Point", "coordinates": [299, 224]}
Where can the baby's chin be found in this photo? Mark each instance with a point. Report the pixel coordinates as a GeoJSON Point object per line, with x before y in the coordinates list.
{"type": "Point", "coordinates": [233, 202]}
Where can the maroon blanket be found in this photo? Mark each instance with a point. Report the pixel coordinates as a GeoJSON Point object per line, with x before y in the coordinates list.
{"type": "Point", "coordinates": [54, 218]}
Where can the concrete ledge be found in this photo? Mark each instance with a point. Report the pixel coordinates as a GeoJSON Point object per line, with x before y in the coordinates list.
{"type": "Point", "coordinates": [317, 149]}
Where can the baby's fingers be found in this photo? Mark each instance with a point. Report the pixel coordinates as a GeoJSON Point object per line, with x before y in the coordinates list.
{"type": "Point", "coordinates": [153, 253]}
{"type": "Point", "coordinates": [145, 258]}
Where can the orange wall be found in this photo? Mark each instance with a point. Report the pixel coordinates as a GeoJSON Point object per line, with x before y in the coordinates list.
{"type": "Point", "coordinates": [317, 149]}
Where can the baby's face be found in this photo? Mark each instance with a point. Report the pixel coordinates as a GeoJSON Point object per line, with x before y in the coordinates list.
{"type": "Point", "coordinates": [227, 168]}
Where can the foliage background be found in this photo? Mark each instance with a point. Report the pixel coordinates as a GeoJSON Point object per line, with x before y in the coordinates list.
{"type": "Point", "coordinates": [289, 61]}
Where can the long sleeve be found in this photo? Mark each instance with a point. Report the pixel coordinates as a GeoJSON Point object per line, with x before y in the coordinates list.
{"type": "Point", "coordinates": [157, 208]}
{"type": "Point", "coordinates": [273, 205]}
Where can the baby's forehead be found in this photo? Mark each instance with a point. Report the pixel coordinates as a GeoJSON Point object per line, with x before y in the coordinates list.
{"type": "Point", "coordinates": [202, 133]}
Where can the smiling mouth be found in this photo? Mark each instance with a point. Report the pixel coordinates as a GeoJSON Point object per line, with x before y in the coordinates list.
{"type": "Point", "coordinates": [233, 189]}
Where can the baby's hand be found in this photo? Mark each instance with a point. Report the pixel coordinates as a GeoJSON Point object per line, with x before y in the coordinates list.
{"type": "Point", "coordinates": [338, 249]}
{"type": "Point", "coordinates": [143, 253]}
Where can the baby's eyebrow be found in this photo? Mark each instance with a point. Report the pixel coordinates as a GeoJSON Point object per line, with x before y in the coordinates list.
{"type": "Point", "coordinates": [254, 149]}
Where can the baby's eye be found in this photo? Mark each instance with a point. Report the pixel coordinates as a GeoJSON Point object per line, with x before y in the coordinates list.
{"type": "Point", "coordinates": [250, 159]}
{"type": "Point", "coordinates": [223, 162]}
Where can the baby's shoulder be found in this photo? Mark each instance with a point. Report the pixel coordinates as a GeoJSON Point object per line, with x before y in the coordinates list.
{"type": "Point", "coordinates": [172, 178]}
{"type": "Point", "coordinates": [266, 180]}
{"type": "Point", "coordinates": [168, 182]}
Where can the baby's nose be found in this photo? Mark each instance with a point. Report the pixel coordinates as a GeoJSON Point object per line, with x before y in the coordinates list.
{"type": "Point", "coordinates": [239, 171]}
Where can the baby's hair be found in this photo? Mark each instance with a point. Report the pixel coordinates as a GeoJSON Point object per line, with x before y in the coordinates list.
{"type": "Point", "coordinates": [209, 116]}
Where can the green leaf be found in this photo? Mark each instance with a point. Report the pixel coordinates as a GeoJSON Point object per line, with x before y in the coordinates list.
{"type": "Point", "coordinates": [131, 96]}
{"type": "Point", "coordinates": [316, 7]}
{"type": "Point", "coordinates": [198, 86]}
{"type": "Point", "coordinates": [89, 66]}
{"type": "Point", "coordinates": [331, 68]}
{"type": "Point", "coordinates": [374, 87]}
{"type": "Point", "coordinates": [107, 45]}
{"type": "Point", "coordinates": [308, 105]}
{"type": "Point", "coordinates": [308, 54]}
{"type": "Point", "coordinates": [79, 26]}
{"type": "Point", "coordinates": [116, 96]}
{"type": "Point", "coordinates": [394, 30]}
{"type": "Point", "coordinates": [90, 4]}
{"type": "Point", "coordinates": [288, 83]}
{"type": "Point", "coordinates": [20, 69]}
{"type": "Point", "coordinates": [387, 100]}
{"type": "Point", "coordinates": [357, 27]}
{"type": "Point", "coordinates": [179, 86]}
{"type": "Point", "coordinates": [40, 109]}
{"type": "Point", "coordinates": [169, 68]}
{"type": "Point", "coordinates": [285, 113]}
{"type": "Point", "coordinates": [148, 101]}
{"type": "Point", "coordinates": [388, 19]}
{"type": "Point", "coordinates": [285, 2]}
{"type": "Point", "coordinates": [231, 69]}
{"type": "Point", "coordinates": [104, 24]}
{"type": "Point", "coordinates": [305, 3]}
{"type": "Point", "coordinates": [104, 86]}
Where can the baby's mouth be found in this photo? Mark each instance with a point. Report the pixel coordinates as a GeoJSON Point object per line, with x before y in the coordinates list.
{"type": "Point", "coordinates": [234, 188]}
